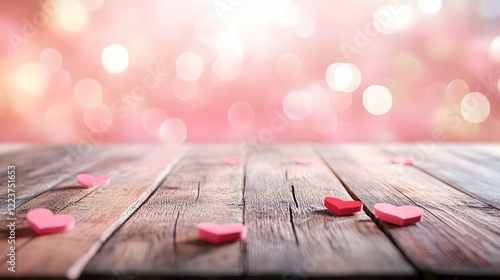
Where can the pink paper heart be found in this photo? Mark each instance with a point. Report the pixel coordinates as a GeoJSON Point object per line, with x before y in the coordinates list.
{"type": "Point", "coordinates": [219, 234]}
{"type": "Point", "coordinates": [232, 160]}
{"type": "Point", "coordinates": [403, 160]}
{"type": "Point", "coordinates": [341, 207]}
{"type": "Point", "coordinates": [400, 216]}
{"type": "Point", "coordinates": [90, 181]}
{"type": "Point", "coordinates": [303, 160]}
{"type": "Point", "coordinates": [43, 221]}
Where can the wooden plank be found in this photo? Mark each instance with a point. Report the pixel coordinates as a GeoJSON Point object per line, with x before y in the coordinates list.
{"type": "Point", "coordinates": [98, 213]}
{"type": "Point", "coordinates": [9, 148]}
{"type": "Point", "coordinates": [490, 148]}
{"type": "Point", "coordinates": [458, 236]}
{"type": "Point", "coordinates": [161, 237]}
{"type": "Point", "coordinates": [291, 233]}
{"type": "Point", "coordinates": [469, 171]}
{"type": "Point", "coordinates": [40, 168]}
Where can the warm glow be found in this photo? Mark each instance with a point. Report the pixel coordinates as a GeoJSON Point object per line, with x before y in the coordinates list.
{"type": "Point", "coordinates": [475, 107]}
{"type": "Point", "coordinates": [115, 59]}
{"type": "Point", "coordinates": [289, 13]}
{"type": "Point", "coordinates": [229, 46]}
{"type": "Point", "coordinates": [377, 100]}
{"type": "Point", "coordinates": [343, 77]}
{"type": "Point", "coordinates": [495, 49]}
{"type": "Point", "coordinates": [30, 78]}
{"type": "Point", "coordinates": [72, 16]}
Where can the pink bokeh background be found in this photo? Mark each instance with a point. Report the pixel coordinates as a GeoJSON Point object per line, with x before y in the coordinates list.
{"type": "Point", "coordinates": [249, 71]}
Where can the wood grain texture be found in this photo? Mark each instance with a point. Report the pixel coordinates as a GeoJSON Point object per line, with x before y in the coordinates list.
{"type": "Point", "coordinates": [461, 166]}
{"type": "Point", "coordinates": [9, 148]}
{"type": "Point", "coordinates": [40, 168]}
{"type": "Point", "coordinates": [98, 212]}
{"type": "Point", "coordinates": [291, 234]}
{"type": "Point", "coordinates": [458, 236]}
{"type": "Point", "coordinates": [161, 237]}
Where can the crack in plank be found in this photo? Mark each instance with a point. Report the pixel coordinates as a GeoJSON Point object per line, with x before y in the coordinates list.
{"type": "Point", "coordinates": [293, 225]}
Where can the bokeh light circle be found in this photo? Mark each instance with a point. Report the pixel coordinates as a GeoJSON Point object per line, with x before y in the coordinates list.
{"type": "Point", "coordinates": [377, 100]}
{"type": "Point", "coordinates": [115, 58]}
{"type": "Point", "coordinates": [343, 77]}
{"type": "Point", "coordinates": [495, 49]}
{"type": "Point", "coordinates": [456, 90]}
{"type": "Point", "coordinates": [297, 105]}
{"type": "Point", "coordinates": [98, 118]}
{"type": "Point", "coordinates": [152, 119]}
{"type": "Point", "coordinates": [228, 71]}
{"type": "Point", "coordinates": [393, 18]}
{"type": "Point", "coordinates": [172, 132]}
{"type": "Point", "coordinates": [184, 90]}
{"type": "Point", "coordinates": [72, 16]}
{"type": "Point", "coordinates": [51, 60]}
{"type": "Point", "coordinates": [241, 115]}
{"type": "Point", "coordinates": [475, 107]}
{"type": "Point", "coordinates": [31, 78]}
{"type": "Point", "coordinates": [88, 92]}
{"type": "Point", "coordinates": [189, 66]}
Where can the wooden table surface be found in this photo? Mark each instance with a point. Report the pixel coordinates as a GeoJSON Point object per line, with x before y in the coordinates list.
{"type": "Point", "coordinates": [143, 224]}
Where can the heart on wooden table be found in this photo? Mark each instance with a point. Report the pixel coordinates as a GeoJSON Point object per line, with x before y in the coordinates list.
{"type": "Point", "coordinates": [403, 160]}
{"type": "Point", "coordinates": [303, 160]}
{"type": "Point", "coordinates": [90, 181]}
{"type": "Point", "coordinates": [220, 234]}
{"type": "Point", "coordinates": [232, 160]}
{"type": "Point", "coordinates": [341, 207]}
{"type": "Point", "coordinates": [398, 215]}
{"type": "Point", "coordinates": [43, 221]}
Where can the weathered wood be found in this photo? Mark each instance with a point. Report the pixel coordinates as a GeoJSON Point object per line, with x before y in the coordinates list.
{"type": "Point", "coordinates": [161, 237]}
{"type": "Point", "coordinates": [40, 168]}
{"type": "Point", "coordinates": [9, 148]}
{"type": "Point", "coordinates": [469, 171]}
{"type": "Point", "coordinates": [459, 235]}
{"type": "Point", "coordinates": [291, 233]}
{"type": "Point", "coordinates": [98, 212]}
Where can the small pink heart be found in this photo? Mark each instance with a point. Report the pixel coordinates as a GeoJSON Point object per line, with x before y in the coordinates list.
{"type": "Point", "coordinates": [403, 160]}
{"type": "Point", "coordinates": [219, 234]}
{"type": "Point", "coordinates": [43, 221]}
{"type": "Point", "coordinates": [90, 181]}
{"type": "Point", "coordinates": [303, 160]}
{"type": "Point", "coordinates": [232, 160]}
{"type": "Point", "coordinates": [400, 216]}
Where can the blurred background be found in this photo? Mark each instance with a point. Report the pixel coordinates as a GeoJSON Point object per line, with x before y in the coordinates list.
{"type": "Point", "coordinates": [256, 71]}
